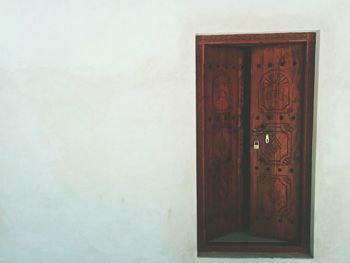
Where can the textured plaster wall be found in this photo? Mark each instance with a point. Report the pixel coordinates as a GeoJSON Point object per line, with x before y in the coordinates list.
{"type": "Point", "coordinates": [97, 125]}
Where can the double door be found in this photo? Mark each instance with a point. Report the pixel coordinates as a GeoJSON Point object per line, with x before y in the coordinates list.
{"type": "Point", "coordinates": [252, 127]}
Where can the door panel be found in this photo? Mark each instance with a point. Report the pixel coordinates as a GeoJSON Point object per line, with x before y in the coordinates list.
{"type": "Point", "coordinates": [223, 139]}
{"type": "Point", "coordinates": [275, 120]}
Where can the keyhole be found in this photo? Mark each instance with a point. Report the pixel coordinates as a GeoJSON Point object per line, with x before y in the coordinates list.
{"type": "Point", "coordinates": [267, 138]}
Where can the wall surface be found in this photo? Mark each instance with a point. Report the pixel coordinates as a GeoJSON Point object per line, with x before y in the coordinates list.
{"type": "Point", "coordinates": [97, 135]}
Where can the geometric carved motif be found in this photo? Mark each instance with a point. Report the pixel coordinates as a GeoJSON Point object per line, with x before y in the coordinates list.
{"type": "Point", "coordinates": [221, 92]}
{"type": "Point", "coordinates": [272, 148]}
{"type": "Point", "coordinates": [274, 194]}
{"type": "Point", "coordinates": [278, 150]}
{"type": "Point", "coordinates": [274, 92]}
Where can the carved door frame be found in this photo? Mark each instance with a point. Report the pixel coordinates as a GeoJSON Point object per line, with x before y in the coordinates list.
{"type": "Point", "coordinates": [308, 39]}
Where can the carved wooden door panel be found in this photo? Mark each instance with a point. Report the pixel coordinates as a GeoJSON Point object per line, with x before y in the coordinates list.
{"type": "Point", "coordinates": [223, 137]}
{"type": "Point", "coordinates": [275, 121]}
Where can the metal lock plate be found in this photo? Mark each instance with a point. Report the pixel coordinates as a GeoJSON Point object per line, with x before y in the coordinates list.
{"type": "Point", "coordinates": [256, 145]}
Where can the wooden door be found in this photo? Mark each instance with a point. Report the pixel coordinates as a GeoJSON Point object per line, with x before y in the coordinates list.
{"type": "Point", "coordinates": [275, 121]}
{"type": "Point", "coordinates": [223, 78]}
{"type": "Point", "coordinates": [264, 192]}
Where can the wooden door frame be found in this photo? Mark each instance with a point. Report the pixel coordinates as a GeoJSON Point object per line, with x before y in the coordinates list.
{"type": "Point", "coordinates": [303, 248]}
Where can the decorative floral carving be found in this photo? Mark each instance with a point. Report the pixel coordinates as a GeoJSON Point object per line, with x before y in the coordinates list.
{"type": "Point", "coordinates": [274, 194]}
{"type": "Point", "coordinates": [221, 93]}
{"type": "Point", "coordinates": [274, 92]}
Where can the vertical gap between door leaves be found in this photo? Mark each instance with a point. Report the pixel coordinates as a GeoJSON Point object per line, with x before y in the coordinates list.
{"type": "Point", "coordinates": [246, 140]}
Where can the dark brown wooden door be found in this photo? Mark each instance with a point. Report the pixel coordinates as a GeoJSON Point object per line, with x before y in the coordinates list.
{"type": "Point", "coordinates": [254, 88]}
{"type": "Point", "coordinates": [275, 121]}
{"type": "Point", "coordinates": [223, 137]}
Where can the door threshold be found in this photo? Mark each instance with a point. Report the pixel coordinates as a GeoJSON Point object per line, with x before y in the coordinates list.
{"type": "Point", "coordinates": [245, 237]}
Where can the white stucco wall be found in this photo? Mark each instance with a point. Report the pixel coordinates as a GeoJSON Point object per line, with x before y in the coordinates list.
{"type": "Point", "coordinates": [97, 125]}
